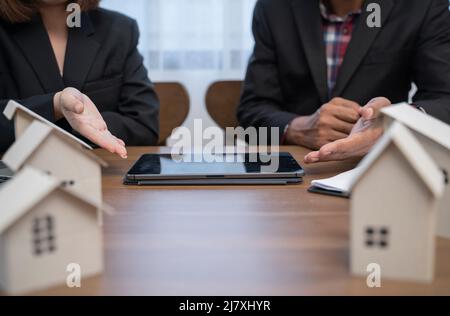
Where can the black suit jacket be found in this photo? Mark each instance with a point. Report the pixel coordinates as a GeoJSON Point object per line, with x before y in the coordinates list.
{"type": "Point", "coordinates": [287, 74]}
{"type": "Point", "coordinates": [102, 61]}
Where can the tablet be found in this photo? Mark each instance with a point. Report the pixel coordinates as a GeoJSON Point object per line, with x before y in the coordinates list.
{"type": "Point", "coordinates": [220, 169]}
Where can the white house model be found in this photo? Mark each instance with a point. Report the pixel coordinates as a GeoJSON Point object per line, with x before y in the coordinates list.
{"type": "Point", "coordinates": [434, 135]}
{"type": "Point", "coordinates": [44, 146]}
{"type": "Point", "coordinates": [394, 207]}
{"type": "Point", "coordinates": [44, 227]}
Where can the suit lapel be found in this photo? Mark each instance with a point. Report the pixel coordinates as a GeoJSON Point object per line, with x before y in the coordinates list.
{"type": "Point", "coordinates": [308, 19]}
{"type": "Point", "coordinates": [362, 39]}
{"type": "Point", "coordinates": [33, 40]}
{"type": "Point", "coordinates": [81, 51]}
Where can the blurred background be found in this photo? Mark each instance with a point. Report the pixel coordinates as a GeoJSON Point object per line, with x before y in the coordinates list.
{"type": "Point", "coordinates": [212, 42]}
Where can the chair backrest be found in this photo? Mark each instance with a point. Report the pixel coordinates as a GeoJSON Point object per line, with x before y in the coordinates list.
{"type": "Point", "coordinates": [174, 107]}
{"type": "Point", "coordinates": [222, 100]}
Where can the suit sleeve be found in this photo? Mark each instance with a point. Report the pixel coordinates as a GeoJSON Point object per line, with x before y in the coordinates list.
{"type": "Point", "coordinates": [137, 118]}
{"type": "Point", "coordinates": [431, 64]}
{"type": "Point", "coordinates": [262, 99]}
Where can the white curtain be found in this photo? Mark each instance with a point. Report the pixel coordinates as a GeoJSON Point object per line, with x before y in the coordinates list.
{"type": "Point", "coordinates": [194, 42]}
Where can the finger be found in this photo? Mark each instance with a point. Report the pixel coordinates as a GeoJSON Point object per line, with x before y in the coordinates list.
{"type": "Point", "coordinates": [121, 142]}
{"type": "Point", "coordinates": [119, 146]}
{"type": "Point", "coordinates": [346, 103]}
{"type": "Point", "coordinates": [335, 151]}
{"type": "Point", "coordinates": [342, 127]}
{"type": "Point", "coordinates": [351, 147]}
{"type": "Point", "coordinates": [335, 135]}
{"type": "Point", "coordinates": [338, 150]}
{"type": "Point", "coordinates": [121, 151]}
{"type": "Point", "coordinates": [312, 157]}
{"type": "Point", "coordinates": [372, 109]}
{"type": "Point", "coordinates": [72, 100]}
{"type": "Point", "coordinates": [97, 119]}
{"type": "Point", "coordinates": [102, 139]}
{"type": "Point", "coordinates": [105, 142]}
{"type": "Point", "coordinates": [72, 104]}
{"type": "Point", "coordinates": [346, 114]}
{"type": "Point", "coordinates": [368, 113]}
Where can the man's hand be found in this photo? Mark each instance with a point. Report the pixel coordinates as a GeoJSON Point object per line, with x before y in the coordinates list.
{"type": "Point", "coordinates": [333, 121]}
{"type": "Point", "coordinates": [362, 138]}
{"type": "Point", "coordinates": [84, 117]}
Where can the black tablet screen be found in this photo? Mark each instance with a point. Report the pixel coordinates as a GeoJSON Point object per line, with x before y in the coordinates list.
{"type": "Point", "coordinates": [222, 164]}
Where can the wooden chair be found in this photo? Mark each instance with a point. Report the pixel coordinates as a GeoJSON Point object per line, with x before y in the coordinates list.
{"type": "Point", "coordinates": [174, 108]}
{"type": "Point", "coordinates": [222, 100]}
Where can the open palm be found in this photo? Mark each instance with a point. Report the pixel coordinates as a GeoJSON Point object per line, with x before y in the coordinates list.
{"type": "Point", "coordinates": [84, 117]}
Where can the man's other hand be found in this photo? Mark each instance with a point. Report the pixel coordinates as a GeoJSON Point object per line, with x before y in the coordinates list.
{"type": "Point", "coordinates": [333, 121]}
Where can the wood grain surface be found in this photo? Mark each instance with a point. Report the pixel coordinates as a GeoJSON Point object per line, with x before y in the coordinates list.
{"type": "Point", "coordinates": [233, 240]}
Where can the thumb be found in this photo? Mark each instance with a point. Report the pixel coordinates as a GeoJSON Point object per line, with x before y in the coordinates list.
{"type": "Point", "coordinates": [337, 150]}
{"type": "Point", "coordinates": [73, 102]}
{"type": "Point", "coordinates": [372, 109]}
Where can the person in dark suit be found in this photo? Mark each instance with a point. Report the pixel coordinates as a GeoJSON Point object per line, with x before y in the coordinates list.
{"type": "Point", "coordinates": [321, 70]}
{"type": "Point", "coordinates": [89, 80]}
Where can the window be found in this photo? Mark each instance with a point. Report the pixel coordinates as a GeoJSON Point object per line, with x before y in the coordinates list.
{"type": "Point", "coordinates": [445, 172]}
{"type": "Point", "coordinates": [192, 35]}
{"type": "Point", "coordinates": [195, 42]}
{"type": "Point", "coordinates": [377, 237]}
{"type": "Point", "coordinates": [43, 232]}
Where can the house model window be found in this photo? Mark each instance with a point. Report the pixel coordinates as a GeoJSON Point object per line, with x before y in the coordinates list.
{"type": "Point", "coordinates": [445, 172]}
{"type": "Point", "coordinates": [377, 237]}
{"type": "Point", "coordinates": [43, 235]}
{"type": "Point", "coordinates": [70, 183]}
{"type": "Point", "coordinates": [39, 218]}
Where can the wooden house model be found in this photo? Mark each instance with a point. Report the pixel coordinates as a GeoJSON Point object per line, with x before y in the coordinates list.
{"type": "Point", "coordinates": [394, 205]}
{"type": "Point", "coordinates": [43, 145]}
{"type": "Point", "coordinates": [434, 135]}
{"type": "Point", "coordinates": [44, 227]}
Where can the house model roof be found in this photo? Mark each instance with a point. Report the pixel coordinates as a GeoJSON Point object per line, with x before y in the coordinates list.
{"type": "Point", "coordinates": [28, 188]}
{"type": "Point", "coordinates": [420, 122]}
{"type": "Point", "coordinates": [12, 107]}
{"type": "Point", "coordinates": [413, 152]}
{"type": "Point", "coordinates": [33, 136]}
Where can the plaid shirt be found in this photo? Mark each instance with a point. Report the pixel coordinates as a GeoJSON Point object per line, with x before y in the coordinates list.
{"type": "Point", "coordinates": [337, 32]}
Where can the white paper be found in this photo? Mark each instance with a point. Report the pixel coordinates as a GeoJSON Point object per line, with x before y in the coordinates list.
{"type": "Point", "coordinates": [341, 183]}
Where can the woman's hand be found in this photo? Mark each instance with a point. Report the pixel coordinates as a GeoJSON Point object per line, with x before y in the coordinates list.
{"type": "Point", "coordinates": [84, 117]}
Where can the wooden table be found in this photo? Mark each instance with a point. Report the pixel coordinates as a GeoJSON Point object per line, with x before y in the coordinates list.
{"type": "Point", "coordinates": [233, 240]}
